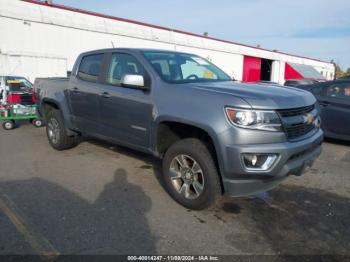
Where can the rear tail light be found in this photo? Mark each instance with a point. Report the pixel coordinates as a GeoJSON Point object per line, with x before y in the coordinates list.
{"type": "Point", "coordinates": [34, 94]}
{"type": "Point", "coordinates": [13, 98]}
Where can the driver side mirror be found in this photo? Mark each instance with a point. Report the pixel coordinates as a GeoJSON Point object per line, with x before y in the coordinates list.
{"type": "Point", "coordinates": [134, 81]}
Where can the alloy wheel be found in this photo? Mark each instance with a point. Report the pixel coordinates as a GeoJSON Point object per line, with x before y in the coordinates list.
{"type": "Point", "coordinates": [53, 130]}
{"type": "Point", "coordinates": [186, 176]}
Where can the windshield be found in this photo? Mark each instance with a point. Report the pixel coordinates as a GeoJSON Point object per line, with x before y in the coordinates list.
{"type": "Point", "coordinates": [18, 84]}
{"type": "Point", "coordinates": [184, 68]}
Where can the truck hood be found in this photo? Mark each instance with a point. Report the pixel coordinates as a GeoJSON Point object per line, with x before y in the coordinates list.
{"type": "Point", "coordinates": [261, 96]}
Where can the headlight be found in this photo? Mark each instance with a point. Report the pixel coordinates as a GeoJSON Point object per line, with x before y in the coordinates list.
{"type": "Point", "coordinates": [254, 119]}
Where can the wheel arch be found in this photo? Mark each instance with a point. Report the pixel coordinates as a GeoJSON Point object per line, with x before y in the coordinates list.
{"type": "Point", "coordinates": [173, 130]}
{"type": "Point", "coordinates": [48, 103]}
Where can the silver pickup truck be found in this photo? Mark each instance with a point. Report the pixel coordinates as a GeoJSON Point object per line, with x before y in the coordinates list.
{"type": "Point", "coordinates": [215, 136]}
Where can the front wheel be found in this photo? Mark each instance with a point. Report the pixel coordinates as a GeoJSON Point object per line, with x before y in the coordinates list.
{"type": "Point", "coordinates": [56, 132]}
{"type": "Point", "coordinates": [190, 174]}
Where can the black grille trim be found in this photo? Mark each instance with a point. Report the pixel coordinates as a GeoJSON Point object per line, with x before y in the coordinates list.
{"type": "Point", "coordinates": [296, 130]}
{"type": "Point", "coordinates": [296, 111]}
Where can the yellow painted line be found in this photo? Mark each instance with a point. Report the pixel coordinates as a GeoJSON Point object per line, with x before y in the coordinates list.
{"type": "Point", "coordinates": [38, 242]}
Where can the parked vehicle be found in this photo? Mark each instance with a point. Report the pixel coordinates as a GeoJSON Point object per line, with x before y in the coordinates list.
{"type": "Point", "coordinates": [299, 82]}
{"type": "Point", "coordinates": [17, 102]}
{"type": "Point", "coordinates": [264, 82]}
{"type": "Point", "coordinates": [344, 78]}
{"type": "Point", "coordinates": [215, 136]}
{"type": "Point", "coordinates": [23, 86]}
{"type": "Point", "coordinates": [334, 100]}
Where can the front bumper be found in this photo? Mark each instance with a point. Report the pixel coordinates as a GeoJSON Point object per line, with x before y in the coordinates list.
{"type": "Point", "coordinates": [293, 158]}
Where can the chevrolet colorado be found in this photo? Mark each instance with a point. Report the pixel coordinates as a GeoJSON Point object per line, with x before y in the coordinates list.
{"type": "Point", "coordinates": [215, 136]}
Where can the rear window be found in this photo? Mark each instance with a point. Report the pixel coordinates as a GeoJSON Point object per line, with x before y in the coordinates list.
{"type": "Point", "coordinates": [18, 84]}
{"type": "Point", "coordinates": [90, 67]}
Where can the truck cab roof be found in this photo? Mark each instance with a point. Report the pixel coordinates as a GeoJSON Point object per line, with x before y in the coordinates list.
{"type": "Point", "coordinates": [121, 49]}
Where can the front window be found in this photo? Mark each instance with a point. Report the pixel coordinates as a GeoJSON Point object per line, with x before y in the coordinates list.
{"type": "Point", "coordinates": [123, 64]}
{"type": "Point", "coordinates": [184, 68]}
{"type": "Point", "coordinates": [339, 91]}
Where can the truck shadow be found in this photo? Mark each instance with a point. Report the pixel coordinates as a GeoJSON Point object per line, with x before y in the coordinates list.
{"type": "Point", "coordinates": [289, 220]}
{"type": "Point", "coordinates": [292, 220]}
{"type": "Point", "coordinates": [114, 223]}
{"type": "Point", "coordinates": [120, 150]}
{"type": "Point", "coordinates": [151, 162]}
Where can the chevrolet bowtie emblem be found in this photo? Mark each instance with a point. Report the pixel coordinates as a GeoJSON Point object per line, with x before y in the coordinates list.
{"type": "Point", "coordinates": [309, 119]}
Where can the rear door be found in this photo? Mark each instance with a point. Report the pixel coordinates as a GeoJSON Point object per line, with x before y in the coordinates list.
{"type": "Point", "coordinates": [84, 94]}
{"type": "Point", "coordinates": [334, 101]}
{"type": "Point", "coordinates": [125, 113]}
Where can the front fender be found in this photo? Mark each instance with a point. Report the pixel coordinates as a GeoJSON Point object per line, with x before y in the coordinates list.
{"type": "Point", "coordinates": [206, 128]}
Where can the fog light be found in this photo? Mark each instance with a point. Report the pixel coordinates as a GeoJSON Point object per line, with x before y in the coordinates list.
{"type": "Point", "coordinates": [259, 162]}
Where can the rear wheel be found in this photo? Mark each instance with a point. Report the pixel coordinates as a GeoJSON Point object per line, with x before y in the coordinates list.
{"type": "Point", "coordinates": [190, 174]}
{"type": "Point", "coordinates": [9, 124]}
{"type": "Point", "coordinates": [56, 132]}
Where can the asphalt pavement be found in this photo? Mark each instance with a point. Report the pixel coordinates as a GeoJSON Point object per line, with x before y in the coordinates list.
{"type": "Point", "coordinates": [103, 199]}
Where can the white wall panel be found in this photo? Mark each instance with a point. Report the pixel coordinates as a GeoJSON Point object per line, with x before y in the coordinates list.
{"type": "Point", "coordinates": [31, 66]}
{"type": "Point", "coordinates": [51, 32]}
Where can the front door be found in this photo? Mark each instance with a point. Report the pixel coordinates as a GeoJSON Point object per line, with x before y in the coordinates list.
{"type": "Point", "coordinates": [125, 113]}
{"type": "Point", "coordinates": [335, 109]}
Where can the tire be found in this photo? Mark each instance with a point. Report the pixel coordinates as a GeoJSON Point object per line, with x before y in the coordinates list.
{"type": "Point", "coordinates": [37, 122]}
{"type": "Point", "coordinates": [56, 132]}
{"type": "Point", "coordinates": [195, 186]}
{"type": "Point", "coordinates": [8, 124]}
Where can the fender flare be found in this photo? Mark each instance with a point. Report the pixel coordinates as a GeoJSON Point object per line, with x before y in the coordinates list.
{"type": "Point", "coordinates": [64, 111]}
{"type": "Point", "coordinates": [207, 129]}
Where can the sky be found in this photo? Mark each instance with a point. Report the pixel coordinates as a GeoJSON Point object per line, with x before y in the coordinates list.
{"type": "Point", "coordinates": [314, 28]}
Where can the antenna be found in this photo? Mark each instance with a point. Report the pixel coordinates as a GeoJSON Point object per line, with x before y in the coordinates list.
{"type": "Point", "coordinates": [112, 44]}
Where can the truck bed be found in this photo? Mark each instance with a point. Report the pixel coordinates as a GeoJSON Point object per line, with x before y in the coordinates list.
{"type": "Point", "coordinates": [47, 87]}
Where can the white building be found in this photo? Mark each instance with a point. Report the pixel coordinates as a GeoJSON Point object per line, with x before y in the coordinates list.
{"type": "Point", "coordinates": [43, 40]}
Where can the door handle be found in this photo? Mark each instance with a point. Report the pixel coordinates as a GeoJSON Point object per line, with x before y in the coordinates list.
{"type": "Point", "coordinates": [75, 90]}
{"type": "Point", "coordinates": [105, 95]}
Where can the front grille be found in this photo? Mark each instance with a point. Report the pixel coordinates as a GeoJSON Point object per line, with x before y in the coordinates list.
{"type": "Point", "coordinates": [298, 130]}
{"type": "Point", "coordinates": [296, 111]}
{"type": "Point", "coordinates": [294, 121]}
